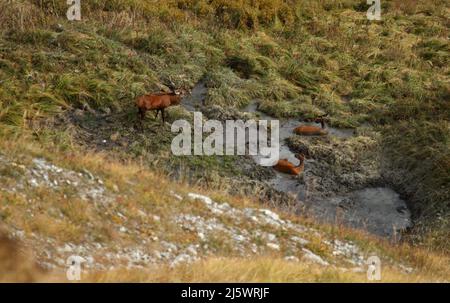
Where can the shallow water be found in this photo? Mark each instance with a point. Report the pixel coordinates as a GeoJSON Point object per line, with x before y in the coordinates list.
{"type": "Point", "coordinates": [377, 210]}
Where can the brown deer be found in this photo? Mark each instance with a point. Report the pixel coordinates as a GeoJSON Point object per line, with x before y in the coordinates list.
{"type": "Point", "coordinates": [287, 167]}
{"type": "Point", "coordinates": [308, 130]}
{"type": "Point", "coordinates": [158, 102]}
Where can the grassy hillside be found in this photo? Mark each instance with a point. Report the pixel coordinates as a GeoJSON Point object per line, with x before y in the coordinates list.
{"type": "Point", "coordinates": [299, 58]}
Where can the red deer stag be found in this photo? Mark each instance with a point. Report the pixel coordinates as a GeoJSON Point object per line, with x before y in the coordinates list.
{"type": "Point", "coordinates": [287, 167]}
{"type": "Point", "coordinates": [158, 102]}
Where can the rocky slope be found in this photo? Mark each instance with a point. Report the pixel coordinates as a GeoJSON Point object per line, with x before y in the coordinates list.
{"type": "Point", "coordinates": [196, 227]}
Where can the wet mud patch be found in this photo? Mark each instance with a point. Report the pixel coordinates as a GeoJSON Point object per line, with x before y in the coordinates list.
{"type": "Point", "coordinates": [340, 165]}
{"type": "Point", "coordinates": [379, 210]}
{"type": "Point", "coordinates": [118, 132]}
{"type": "Point", "coordinates": [342, 180]}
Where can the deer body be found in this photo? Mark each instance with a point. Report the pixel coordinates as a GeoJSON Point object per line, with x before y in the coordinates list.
{"type": "Point", "coordinates": [157, 102]}
{"type": "Point", "coordinates": [287, 167]}
{"type": "Point", "coordinates": [308, 130]}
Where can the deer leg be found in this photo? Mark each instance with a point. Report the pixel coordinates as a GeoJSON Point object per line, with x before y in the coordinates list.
{"type": "Point", "coordinates": [141, 113]}
{"type": "Point", "coordinates": [162, 114]}
{"type": "Point", "coordinates": [156, 113]}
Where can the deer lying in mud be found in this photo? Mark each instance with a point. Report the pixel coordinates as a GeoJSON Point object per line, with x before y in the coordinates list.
{"type": "Point", "coordinates": [158, 102]}
{"type": "Point", "coordinates": [287, 167]}
{"type": "Point", "coordinates": [308, 130]}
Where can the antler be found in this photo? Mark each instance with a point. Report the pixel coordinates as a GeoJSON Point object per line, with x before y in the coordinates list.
{"type": "Point", "coordinates": [171, 85]}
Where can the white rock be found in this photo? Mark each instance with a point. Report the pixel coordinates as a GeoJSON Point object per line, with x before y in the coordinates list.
{"type": "Point", "coordinates": [204, 199]}
{"type": "Point", "coordinates": [273, 246]}
{"type": "Point", "coordinates": [183, 258]}
{"type": "Point", "coordinates": [270, 214]}
{"type": "Point", "coordinates": [90, 260]}
{"type": "Point", "coordinates": [309, 255]}
{"type": "Point", "coordinates": [406, 269]}
{"type": "Point", "coordinates": [178, 197]}
{"type": "Point", "coordinates": [170, 246]}
{"type": "Point", "coordinates": [191, 250]}
{"type": "Point", "coordinates": [299, 240]}
{"type": "Point", "coordinates": [68, 248]}
{"type": "Point", "coordinates": [271, 237]}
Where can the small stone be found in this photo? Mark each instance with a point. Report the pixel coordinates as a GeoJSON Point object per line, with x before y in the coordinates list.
{"type": "Point", "coordinates": [299, 240]}
{"type": "Point", "coordinates": [90, 260]}
{"type": "Point", "coordinates": [59, 28]}
{"type": "Point", "coordinates": [178, 197]}
{"type": "Point", "coordinates": [183, 258]}
{"type": "Point", "coordinates": [271, 237]}
{"type": "Point", "coordinates": [67, 248]}
{"type": "Point", "coordinates": [60, 262]}
{"type": "Point", "coordinates": [273, 246]}
{"type": "Point", "coordinates": [191, 250]}
{"type": "Point", "coordinates": [314, 258]}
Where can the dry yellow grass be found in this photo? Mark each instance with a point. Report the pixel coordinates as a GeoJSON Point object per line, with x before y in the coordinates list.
{"type": "Point", "coordinates": [258, 270]}
{"type": "Point", "coordinates": [16, 265]}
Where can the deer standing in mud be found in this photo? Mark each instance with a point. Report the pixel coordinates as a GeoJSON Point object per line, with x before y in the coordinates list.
{"type": "Point", "coordinates": [287, 167]}
{"type": "Point", "coordinates": [158, 102]}
{"type": "Point", "coordinates": [308, 130]}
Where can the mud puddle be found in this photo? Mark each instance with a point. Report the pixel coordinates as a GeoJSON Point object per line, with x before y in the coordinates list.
{"type": "Point", "coordinates": [376, 209]}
